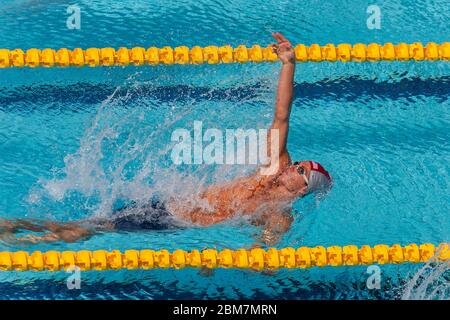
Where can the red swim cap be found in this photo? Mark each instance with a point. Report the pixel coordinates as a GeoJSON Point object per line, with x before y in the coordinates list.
{"type": "Point", "coordinates": [319, 178]}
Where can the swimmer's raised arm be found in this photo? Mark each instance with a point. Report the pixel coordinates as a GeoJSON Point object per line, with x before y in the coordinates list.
{"type": "Point", "coordinates": [285, 93]}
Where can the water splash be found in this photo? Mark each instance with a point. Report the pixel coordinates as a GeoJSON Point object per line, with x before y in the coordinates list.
{"type": "Point", "coordinates": [124, 155]}
{"type": "Point", "coordinates": [431, 282]}
{"type": "Point", "coordinates": [120, 157]}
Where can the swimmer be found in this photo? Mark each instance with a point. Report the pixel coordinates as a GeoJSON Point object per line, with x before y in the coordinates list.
{"type": "Point", "coordinates": [265, 199]}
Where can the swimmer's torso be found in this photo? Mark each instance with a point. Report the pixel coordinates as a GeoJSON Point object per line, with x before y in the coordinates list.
{"type": "Point", "coordinates": [251, 196]}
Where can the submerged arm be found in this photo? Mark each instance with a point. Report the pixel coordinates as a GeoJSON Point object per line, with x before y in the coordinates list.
{"type": "Point", "coordinates": [276, 226]}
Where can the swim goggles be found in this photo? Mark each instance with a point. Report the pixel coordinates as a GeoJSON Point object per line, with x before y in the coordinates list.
{"type": "Point", "coordinates": [301, 171]}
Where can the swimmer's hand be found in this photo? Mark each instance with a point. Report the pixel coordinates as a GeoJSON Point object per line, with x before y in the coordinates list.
{"type": "Point", "coordinates": [283, 48]}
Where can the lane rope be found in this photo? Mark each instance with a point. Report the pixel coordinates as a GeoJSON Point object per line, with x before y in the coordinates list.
{"type": "Point", "coordinates": [256, 259]}
{"type": "Point", "coordinates": [139, 56]}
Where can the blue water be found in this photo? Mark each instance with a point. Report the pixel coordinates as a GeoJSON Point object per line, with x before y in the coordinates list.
{"type": "Point", "coordinates": [74, 141]}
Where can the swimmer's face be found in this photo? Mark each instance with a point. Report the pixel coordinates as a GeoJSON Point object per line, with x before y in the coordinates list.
{"type": "Point", "coordinates": [294, 178]}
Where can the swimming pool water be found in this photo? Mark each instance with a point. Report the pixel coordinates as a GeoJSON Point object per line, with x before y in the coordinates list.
{"type": "Point", "coordinates": [74, 141]}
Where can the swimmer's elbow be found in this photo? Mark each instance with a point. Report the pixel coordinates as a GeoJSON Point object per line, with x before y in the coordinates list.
{"type": "Point", "coordinates": [280, 120]}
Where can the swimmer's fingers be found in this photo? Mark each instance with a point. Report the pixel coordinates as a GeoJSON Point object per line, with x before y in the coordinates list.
{"type": "Point", "coordinates": [280, 38]}
{"type": "Point", "coordinates": [276, 36]}
{"type": "Point", "coordinates": [281, 48]}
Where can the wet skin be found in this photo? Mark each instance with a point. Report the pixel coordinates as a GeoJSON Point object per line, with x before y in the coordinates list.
{"type": "Point", "coordinates": [266, 199]}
